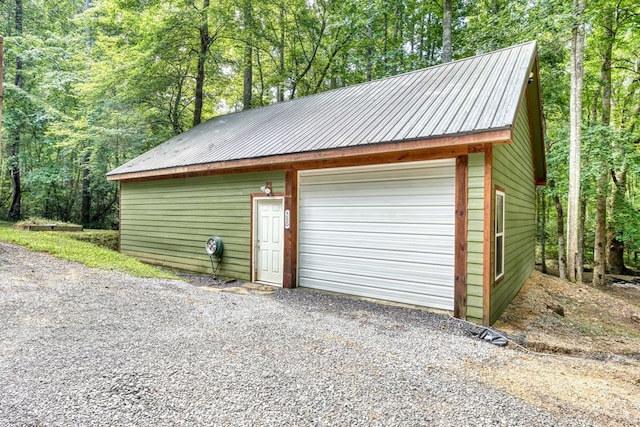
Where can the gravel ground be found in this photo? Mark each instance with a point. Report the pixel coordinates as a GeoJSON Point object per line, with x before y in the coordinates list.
{"type": "Point", "coordinates": [81, 346]}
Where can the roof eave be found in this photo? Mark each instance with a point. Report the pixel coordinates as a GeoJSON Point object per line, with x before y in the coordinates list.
{"type": "Point", "coordinates": [538, 125]}
{"type": "Point", "coordinates": [493, 136]}
{"type": "Point", "coordinates": [532, 94]}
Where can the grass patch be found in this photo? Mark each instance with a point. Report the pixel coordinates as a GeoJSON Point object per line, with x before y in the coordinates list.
{"type": "Point", "coordinates": [62, 245]}
{"type": "Point", "coordinates": [106, 238]}
{"type": "Point", "coordinates": [587, 329]}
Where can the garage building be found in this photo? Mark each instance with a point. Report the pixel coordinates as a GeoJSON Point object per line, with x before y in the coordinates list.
{"type": "Point", "coordinates": [417, 188]}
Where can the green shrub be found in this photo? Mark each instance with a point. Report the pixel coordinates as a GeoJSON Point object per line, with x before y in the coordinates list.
{"type": "Point", "coordinates": [43, 221]}
{"type": "Point", "coordinates": [105, 238]}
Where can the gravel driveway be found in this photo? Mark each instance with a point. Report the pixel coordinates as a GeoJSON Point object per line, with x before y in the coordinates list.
{"type": "Point", "coordinates": [81, 346]}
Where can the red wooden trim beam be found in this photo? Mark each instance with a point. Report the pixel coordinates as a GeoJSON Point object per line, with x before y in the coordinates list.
{"type": "Point", "coordinates": [364, 154]}
{"type": "Point", "coordinates": [291, 234]}
{"type": "Point", "coordinates": [460, 256]}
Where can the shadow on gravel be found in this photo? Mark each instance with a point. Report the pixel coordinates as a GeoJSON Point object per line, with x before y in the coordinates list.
{"type": "Point", "coordinates": [353, 307]}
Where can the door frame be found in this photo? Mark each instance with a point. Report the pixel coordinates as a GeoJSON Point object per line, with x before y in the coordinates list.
{"type": "Point", "coordinates": [255, 199]}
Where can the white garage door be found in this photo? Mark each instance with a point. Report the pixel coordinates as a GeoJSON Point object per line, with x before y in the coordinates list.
{"type": "Point", "coordinates": [383, 232]}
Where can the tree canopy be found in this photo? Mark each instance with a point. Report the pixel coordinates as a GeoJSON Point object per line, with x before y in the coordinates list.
{"type": "Point", "coordinates": [90, 84]}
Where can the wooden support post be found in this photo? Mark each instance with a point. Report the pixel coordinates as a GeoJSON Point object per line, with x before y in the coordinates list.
{"type": "Point", "coordinates": [460, 257]}
{"type": "Point", "coordinates": [291, 232]}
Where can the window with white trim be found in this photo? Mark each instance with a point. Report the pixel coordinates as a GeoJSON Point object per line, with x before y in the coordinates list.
{"type": "Point", "coordinates": [499, 253]}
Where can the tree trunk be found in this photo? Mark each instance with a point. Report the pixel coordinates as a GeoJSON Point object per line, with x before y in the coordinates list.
{"type": "Point", "coordinates": [542, 217]}
{"type": "Point", "coordinates": [577, 71]}
{"type": "Point", "coordinates": [615, 253]}
{"type": "Point", "coordinates": [599, 246]}
{"type": "Point", "coordinates": [562, 257]}
{"type": "Point", "coordinates": [615, 247]}
{"type": "Point", "coordinates": [174, 113]}
{"type": "Point", "coordinates": [605, 71]}
{"type": "Point", "coordinates": [205, 43]}
{"type": "Point", "coordinates": [616, 257]}
{"type": "Point", "coordinates": [101, 211]}
{"type": "Point", "coordinates": [13, 151]}
{"type": "Point", "coordinates": [424, 37]}
{"type": "Point", "coordinates": [85, 205]}
{"type": "Point", "coordinates": [369, 66]}
{"type": "Point", "coordinates": [86, 192]}
{"type": "Point", "coordinates": [260, 94]}
{"type": "Point", "coordinates": [600, 241]}
{"type": "Point", "coordinates": [398, 51]}
{"type": "Point", "coordinates": [385, 40]}
{"type": "Point", "coordinates": [310, 60]}
{"type": "Point", "coordinates": [495, 18]}
{"type": "Point", "coordinates": [248, 59]}
{"type": "Point", "coordinates": [337, 46]}
{"type": "Point", "coordinates": [593, 114]}
{"type": "Point", "coordinates": [247, 94]}
{"type": "Point", "coordinates": [281, 57]}
{"type": "Point", "coordinates": [447, 44]}
{"type": "Point", "coordinates": [582, 219]}
{"type": "Point", "coordinates": [15, 210]}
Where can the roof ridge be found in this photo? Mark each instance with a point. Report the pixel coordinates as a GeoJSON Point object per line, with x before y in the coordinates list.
{"type": "Point", "coordinates": [444, 64]}
{"type": "Point", "coordinates": [399, 75]}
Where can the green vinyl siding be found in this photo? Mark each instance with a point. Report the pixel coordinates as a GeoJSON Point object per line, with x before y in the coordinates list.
{"type": "Point", "coordinates": [167, 222]}
{"type": "Point", "coordinates": [475, 237]}
{"type": "Point", "coordinates": [513, 171]}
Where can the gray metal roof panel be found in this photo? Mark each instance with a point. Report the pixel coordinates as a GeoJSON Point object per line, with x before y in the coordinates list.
{"type": "Point", "coordinates": [505, 113]}
{"type": "Point", "coordinates": [462, 117]}
{"type": "Point", "coordinates": [491, 77]}
{"type": "Point", "coordinates": [461, 97]}
{"type": "Point", "coordinates": [402, 110]}
{"type": "Point", "coordinates": [424, 94]}
{"type": "Point", "coordinates": [458, 94]}
{"type": "Point", "coordinates": [455, 86]}
{"type": "Point", "coordinates": [506, 93]}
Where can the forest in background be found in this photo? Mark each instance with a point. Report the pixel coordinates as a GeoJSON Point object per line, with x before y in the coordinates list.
{"type": "Point", "coordinates": [90, 84]}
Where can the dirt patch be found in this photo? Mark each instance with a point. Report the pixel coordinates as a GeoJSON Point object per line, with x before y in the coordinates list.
{"type": "Point", "coordinates": [565, 320]}
{"type": "Point", "coordinates": [606, 391]}
{"type": "Point", "coordinates": [554, 315]}
{"type": "Point", "coordinates": [244, 289]}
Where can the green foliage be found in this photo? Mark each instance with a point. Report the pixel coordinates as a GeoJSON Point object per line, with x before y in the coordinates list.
{"type": "Point", "coordinates": [41, 221]}
{"type": "Point", "coordinates": [104, 81]}
{"type": "Point", "coordinates": [104, 238]}
{"type": "Point", "coordinates": [62, 245]}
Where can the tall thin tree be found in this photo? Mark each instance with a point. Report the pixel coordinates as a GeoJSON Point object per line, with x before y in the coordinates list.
{"type": "Point", "coordinates": [85, 209]}
{"type": "Point", "coordinates": [447, 39]}
{"type": "Point", "coordinates": [281, 44]}
{"type": "Point", "coordinates": [599, 249]}
{"type": "Point", "coordinates": [247, 93]}
{"type": "Point", "coordinates": [206, 40]}
{"type": "Point", "coordinates": [369, 50]}
{"type": "Point", "coordinates": [15, 210]}
{"type": "Point", "coordinates": [615, 242]}
{"type": "Point", "coordinates": [577, 75]}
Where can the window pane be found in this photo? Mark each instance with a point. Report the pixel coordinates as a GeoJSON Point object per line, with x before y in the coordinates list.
{"type": "Point", "coordinates": [499, 212]}
{"type": "Point", "coordinates": [499, 255]}
{"type": "Point", "coordinates": [499, 236]}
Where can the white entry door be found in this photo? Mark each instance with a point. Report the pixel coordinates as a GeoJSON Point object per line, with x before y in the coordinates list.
{"type": "Point", "coordinates": [269, 240]}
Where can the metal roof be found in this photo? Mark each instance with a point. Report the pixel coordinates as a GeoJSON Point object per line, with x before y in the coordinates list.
{"type": "Point", "coordinates": [476, 94]}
